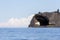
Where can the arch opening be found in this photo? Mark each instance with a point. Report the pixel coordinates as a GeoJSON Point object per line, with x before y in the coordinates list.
{"type": "Point", "coordinates": [43, 20]}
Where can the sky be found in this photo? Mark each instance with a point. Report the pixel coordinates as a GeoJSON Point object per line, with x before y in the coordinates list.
{"type": "Point", "coordinates": [11, 10]}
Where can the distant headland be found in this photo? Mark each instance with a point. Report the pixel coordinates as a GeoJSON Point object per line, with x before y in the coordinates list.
{"type": "Point", "coordinates": [46, 19]}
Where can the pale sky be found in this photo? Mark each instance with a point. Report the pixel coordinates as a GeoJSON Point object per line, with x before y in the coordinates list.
{"type": "Point", "coordinates": [23, 8]}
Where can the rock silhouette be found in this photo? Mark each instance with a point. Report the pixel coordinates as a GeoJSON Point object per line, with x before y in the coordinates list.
{"type": "Point", "coordinates": [47, 19]}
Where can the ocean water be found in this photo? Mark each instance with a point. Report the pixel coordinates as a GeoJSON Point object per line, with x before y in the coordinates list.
{"type": "Point", "coordinates": [29, 33]}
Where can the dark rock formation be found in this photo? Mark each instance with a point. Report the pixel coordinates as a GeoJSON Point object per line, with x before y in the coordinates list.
{"type": "Point", "coordinates": [48, 19]}
{"type": "Point", "coordinates": [43, 20]}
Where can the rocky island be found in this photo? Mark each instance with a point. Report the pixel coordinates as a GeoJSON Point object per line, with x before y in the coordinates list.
{"type": "Point", "coordinates": [46, 19]}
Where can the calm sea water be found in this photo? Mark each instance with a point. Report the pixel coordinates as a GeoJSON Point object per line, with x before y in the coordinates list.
{"type": "Point", "coordinates": [29, 33]}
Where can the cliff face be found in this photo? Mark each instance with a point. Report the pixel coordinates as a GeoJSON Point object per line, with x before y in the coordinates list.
{"type": "Point", "coordinates": [51, 19]}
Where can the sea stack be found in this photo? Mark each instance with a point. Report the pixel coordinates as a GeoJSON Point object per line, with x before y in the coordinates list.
{"type": "Point", "coordinates": [46, 19]}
